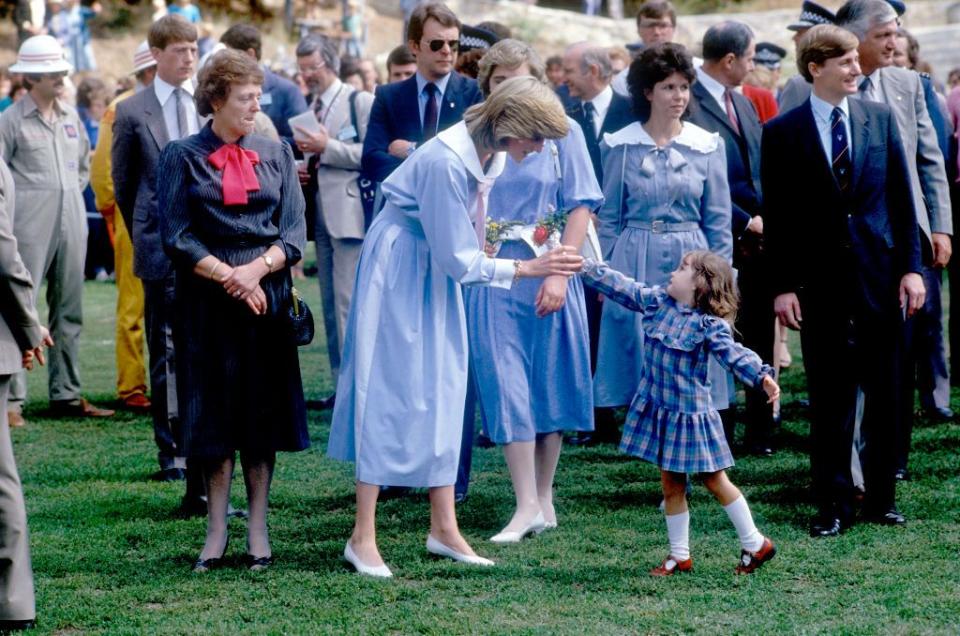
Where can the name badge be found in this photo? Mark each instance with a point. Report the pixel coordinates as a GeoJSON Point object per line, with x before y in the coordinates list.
{"type": "Point", "coordinates": [347, 134]}
{"type": "Point", "coordinates": [266, 99]}
{"type": "Point", "coordinates": [70, 130]}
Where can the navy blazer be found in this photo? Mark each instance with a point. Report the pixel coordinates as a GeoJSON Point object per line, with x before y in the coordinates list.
{"type": "Point", "coordinates": [743, 150]}
{"type": "Point", "coordinates": [281, 100]}
{"type": "Point", "coordinates": [396, 115]}
{"type": "Point", "coordinates": [619, 115]}
{"type": "Point", "coordinates": [812, 229]}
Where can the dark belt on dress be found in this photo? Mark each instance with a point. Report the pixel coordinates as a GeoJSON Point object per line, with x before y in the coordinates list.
{"type": "Point", "coordinates": [662, 227]}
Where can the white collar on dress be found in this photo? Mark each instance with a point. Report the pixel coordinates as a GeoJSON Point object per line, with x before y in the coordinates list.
{"type": "Point", "coordinates": [458, 139]}
{"type": "Point", "coordinates": [691, 136]}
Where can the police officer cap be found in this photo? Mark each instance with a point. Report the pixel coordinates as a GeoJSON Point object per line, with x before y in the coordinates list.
{"type": "Point", "coordinates": [769, 54]}
{"type": "Point", "coordinates": [812, 14]}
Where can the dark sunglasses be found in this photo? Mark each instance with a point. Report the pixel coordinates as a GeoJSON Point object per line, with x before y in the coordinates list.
{"type": "Point", "coordinates": [436, 45]}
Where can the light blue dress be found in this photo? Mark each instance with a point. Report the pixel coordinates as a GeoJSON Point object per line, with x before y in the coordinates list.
{"type": "Point", "coordinates": [533, 374]}
{"type": "Point", "coordinates": [659, 204]}
{"type": "Point", "coordinates": [403, 377]}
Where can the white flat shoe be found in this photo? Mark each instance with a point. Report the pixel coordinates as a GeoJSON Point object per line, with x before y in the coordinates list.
{"type": "Point", "coordinates": [536, 526]}
{"type": "Point", "coordinates": [379, 571]}
{"type": "Point", "coordinates": [439, 549]}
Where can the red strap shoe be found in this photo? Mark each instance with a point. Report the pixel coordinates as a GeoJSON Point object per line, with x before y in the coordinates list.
{"type": "Point", "coordinates": [750, 561]}
{"type": "Point", "coordinates": [671, 565]}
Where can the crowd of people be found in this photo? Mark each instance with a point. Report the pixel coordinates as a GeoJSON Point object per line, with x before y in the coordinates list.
{"type": "Point", "coordinates": [598, 246]}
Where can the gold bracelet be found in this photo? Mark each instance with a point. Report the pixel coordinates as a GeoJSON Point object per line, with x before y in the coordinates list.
{"type": "Point", "coordinates": [517, 265]}
{"type": "Point", "coordinates": [213, 270]}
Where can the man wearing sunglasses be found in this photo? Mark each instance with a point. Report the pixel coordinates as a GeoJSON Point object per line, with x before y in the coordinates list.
{"type": "Point", "coordinates": [45, 145]}
{"type": "Point", "coordinates": [408, 113]}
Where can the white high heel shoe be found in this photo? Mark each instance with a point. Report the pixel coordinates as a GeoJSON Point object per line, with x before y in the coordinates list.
{"type": "Point", "coordinates": [536, 526]}
{"type": "Point", "coordinates": [440, 549]}
{"type": "Point", "coordinates": [379, 571]}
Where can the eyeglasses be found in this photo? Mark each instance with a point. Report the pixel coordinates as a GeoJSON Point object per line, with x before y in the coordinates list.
{"type": "Point", "coordinates": [436, 45]}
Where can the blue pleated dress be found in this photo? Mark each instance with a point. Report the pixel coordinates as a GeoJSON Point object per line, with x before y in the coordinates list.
{"type": "Point", "coordinates": [533, 374]}
{"type": "Point", "coordinates": [403, 377]}
{"type": "Point", "coordinates": [660, 203]}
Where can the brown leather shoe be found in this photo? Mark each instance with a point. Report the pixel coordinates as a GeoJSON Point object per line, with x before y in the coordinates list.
{"type": "Point", "coordinates": [15, 419]}
{"type": "Point", "coordinates": [671, 565]}
{"type": "Point", "coordinates": [78, 408]}
{"type": "Point", "coordinates": [750, 561]}
{"type": "Point", "coordinates": [138, 402]}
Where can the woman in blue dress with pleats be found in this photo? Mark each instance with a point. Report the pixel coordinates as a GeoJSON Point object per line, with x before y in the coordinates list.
{"type": "Point", "coordinates": [403, 378]}
{"type": "Point", "coordinates": [529, 346]}
{"type": "Point", "coordinates": [664, 197]}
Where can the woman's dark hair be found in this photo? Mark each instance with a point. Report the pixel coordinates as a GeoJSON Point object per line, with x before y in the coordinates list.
{"type": "Point", "coordinates": [220, 74]}
{"type": "Point", "coordinates": [654, 65]}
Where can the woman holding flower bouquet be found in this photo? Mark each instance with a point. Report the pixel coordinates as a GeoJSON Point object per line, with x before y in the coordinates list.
{"type": "Point", "coordinates": [665, 183]}
{"type": "Point", "coordinates": [529, 345]}
{"type": "Point", "coordinates": [403, 378]}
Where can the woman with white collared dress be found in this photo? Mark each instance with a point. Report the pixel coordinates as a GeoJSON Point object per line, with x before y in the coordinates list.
{"type": "Point", "coordinates": [529, 345]}
{"type": "Point", "coordinates": [403, 378]}
{"type": "Point", "coordinates": [666, 193]}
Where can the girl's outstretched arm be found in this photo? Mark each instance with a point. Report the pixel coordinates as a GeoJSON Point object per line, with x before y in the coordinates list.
{"type": "Point", "coordinates": [733, 356]}
{"type": "Point", "coordinates": [620, 288]}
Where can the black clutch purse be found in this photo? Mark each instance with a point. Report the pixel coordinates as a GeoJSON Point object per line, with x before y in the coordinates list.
{"type": "Point", "coordinates": [300, 319]}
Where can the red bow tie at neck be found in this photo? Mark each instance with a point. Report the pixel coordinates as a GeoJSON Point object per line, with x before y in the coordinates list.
{"type": "Point", "coordinates": [238, 175]}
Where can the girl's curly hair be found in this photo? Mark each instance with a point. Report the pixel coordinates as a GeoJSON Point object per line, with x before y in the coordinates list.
{"type": "Point", "coordinates": [716, 289]}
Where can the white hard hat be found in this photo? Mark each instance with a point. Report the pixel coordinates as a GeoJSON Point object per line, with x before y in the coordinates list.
{"type": "Point", "coordinates": [40, 54]}
{"type": "Point", "coordinates": [142, 58]}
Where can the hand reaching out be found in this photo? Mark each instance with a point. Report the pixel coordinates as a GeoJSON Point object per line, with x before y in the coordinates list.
{"type": "Point", "coordinates": [771, 388]}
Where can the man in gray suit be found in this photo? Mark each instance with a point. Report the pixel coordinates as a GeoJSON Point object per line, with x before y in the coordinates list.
{"type": "Point", "coordinates": [343, 115]}
{"type": "Point", "coordinates": [21, 342]}
{"type": "Point", "coordinates": [145, 123]}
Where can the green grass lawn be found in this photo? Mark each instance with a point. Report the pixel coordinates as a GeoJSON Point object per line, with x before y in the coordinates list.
{"type": "Point", "coordinates": [109, 557]}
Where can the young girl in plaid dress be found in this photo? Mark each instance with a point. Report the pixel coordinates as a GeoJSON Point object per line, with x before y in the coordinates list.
{"type": "Point", "coordinates": [672, 422]}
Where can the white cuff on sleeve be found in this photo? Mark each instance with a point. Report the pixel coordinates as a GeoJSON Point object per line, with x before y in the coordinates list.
{"type": "Point", "coordinates": [503, 272]}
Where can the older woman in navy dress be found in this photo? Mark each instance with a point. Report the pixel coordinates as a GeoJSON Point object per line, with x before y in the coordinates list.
{"type": "Point", "coordinates": [233, 223]}
{"type": "Point", "coordinates": [403, 379]}
{"type": "Point", "coordinates": [665, 183]}
{"type": "Point", "coordinates": [529, 346]}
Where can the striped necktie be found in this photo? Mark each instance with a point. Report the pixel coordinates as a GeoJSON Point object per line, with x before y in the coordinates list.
{"type": "Point", "coordinates": [840, 150]}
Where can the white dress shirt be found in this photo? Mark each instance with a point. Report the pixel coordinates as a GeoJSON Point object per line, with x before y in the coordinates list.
{"type": "Point", "coordinates": [715, 88]}
{"type": "Point", "coordinates": [601, 104]}
{"type": "Point", "coordinates": [165, 93]}
{"type": "Point", "coordinates": [822, 113]}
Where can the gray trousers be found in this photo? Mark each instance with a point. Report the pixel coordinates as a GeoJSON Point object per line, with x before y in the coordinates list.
{"type": "Point", "coordinates": [60, 263]}
{"type": "Point", "coordinates": [337, 269]}
{"type": "Point", "coordinates": [158, 314]}
{"type": "Point", "coordinates": [16, 576]}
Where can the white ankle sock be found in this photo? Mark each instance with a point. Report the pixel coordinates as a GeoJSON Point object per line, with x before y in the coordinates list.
{"type": "Point", "coordinates": [678, 533]}
{"type": "Point", "coordinates": [739, 513]}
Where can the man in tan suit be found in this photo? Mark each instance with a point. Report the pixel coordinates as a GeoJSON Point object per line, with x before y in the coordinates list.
{"type": "Point", "coordinates": [21, 342]}
{"type": "Point", "coordinates": [343, 115]}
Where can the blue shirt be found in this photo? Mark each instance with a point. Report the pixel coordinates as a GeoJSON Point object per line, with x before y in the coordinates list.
{"type": "Point", "coordinates": [422, 94]}
{"type": "Point", "coordinates": [822, 114]}
{"type": "Point", "coordinates": [190, 12]}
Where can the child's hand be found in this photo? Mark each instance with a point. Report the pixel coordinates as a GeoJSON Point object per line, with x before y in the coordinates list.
{"type": "Point", "coordinates": [771, 388]}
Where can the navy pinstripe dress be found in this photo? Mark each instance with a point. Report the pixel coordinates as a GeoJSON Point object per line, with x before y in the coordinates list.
{"type": "Point", "coordinates": [238, 374]}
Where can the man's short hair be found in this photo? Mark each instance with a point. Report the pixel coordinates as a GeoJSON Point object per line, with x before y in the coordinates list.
{"type": "Point", "coordinates": [821, 43]}
{"type": "Point", "coordinates": [554, 60]}
{"type": "Point", "coordinates": [169, 29]}
{"type": "Point", "coordinates": [657, 10]}
{"type": "Point", "coordinates": [329, 51]}
{"type": "Point", "coordinates": [859, 16]}
{"type": "Point", "coordinates": [400, 56]}
{"type": "Point", "coordinates": [243, 37]}
{"type": "Point", "coordinates": [727, 37]}
{"type": "Point", "coordinates": [591, 55]}
{"type": "Point", "coordinates": [436, 10]}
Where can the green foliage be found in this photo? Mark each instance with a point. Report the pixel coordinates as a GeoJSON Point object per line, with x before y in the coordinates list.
{"type": "Point", "coordinates": [110, 558]}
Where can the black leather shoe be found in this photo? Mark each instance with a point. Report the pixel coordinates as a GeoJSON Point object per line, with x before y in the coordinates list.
{"type": "Point", "coordinates": [891, 517]}
{"type": "Point", "coordinates": [17, 626]}
{"type": "Point", "coordinates": [484, 442]}
{"type": "Point", "coordinates": [170, 474]}
{"type": "Point", "coordinates": [255, 564]}
{"type": "Point", "coordinates": [205, 565]}
{"type": "Point", "coordinates": [825, 527]}
{"type": "Point", "coordinates": [902, 474]}
{"type": "Point", "coordinates": [759, 450]}
{"type": "Point", "coordinates": [939, 414]}
{"type": "Point", "coordinates": [325, 404]}
{"type": "Point", "coordinates": [192, 507]}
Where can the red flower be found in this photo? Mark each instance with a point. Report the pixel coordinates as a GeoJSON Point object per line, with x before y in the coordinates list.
{"type": "Point", "coordinates": [541, 234]}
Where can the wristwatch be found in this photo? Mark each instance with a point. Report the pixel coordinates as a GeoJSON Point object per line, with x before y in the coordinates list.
{"type": "Point", "coordinates": [268, 260]}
